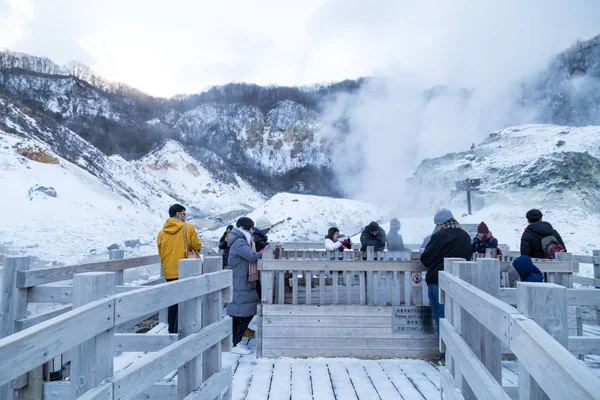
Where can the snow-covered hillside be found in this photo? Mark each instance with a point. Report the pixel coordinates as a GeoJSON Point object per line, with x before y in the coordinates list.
{"type": "Point", "coordinates": [305, 218]}
{"type": "Point", "coordinates": [186, 179]}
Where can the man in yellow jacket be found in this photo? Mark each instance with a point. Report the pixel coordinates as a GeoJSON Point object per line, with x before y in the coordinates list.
{"type": "Point", "coordinates": [171, 249]}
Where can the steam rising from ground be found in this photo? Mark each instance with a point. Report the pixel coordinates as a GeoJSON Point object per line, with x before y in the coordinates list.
{"type": "Point", "coordinates": [474, 55]}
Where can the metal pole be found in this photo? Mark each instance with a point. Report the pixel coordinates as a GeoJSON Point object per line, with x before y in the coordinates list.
{"type": "Point", "coordinates": [469, 200]}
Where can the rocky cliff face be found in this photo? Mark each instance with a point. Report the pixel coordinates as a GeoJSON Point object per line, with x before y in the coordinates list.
{"type": "Point", "coordinates": [528, 164]}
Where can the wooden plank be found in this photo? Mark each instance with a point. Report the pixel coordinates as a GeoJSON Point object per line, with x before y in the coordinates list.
{"type": "Point", "coordinates": [142, 301]}
{"type": "Point", "coordinates": [348, 285]}
{"type": "Point", "coordinates": [37, 319]}
{"type": "Point", "coordinates": [361, 287]}
{"type": "Point", "coordinates": [345, 265]}
{"type": "Point", "coordinates": [449, 388]}
{"type": "Point", "coordinates": [47, 275]}
{"type": "Point", "coordinates": [552, 366]}
{"type": "Point", "coordinates": [152, 367]}
{"type": "Point", "coordinates": [336, 291]}
{"type": "Point", "coordinates": [342, 321]}
{"type": "Point", "coordinates": [189, 373]}
{"type": "Point", "coordinates": [57, 390]}
{"type": "Point", "coordinates": [142, 342]}
{"type": "Point", "coordinates": [584, 345]}
{"type": "Point", "coordinates": [92, 360]}
{"type": "Point", "coordinates": [34, 346]}
{"type": "Point", "coordinates": [321, 288]}
{"type": "Point", "coordinates": [350, 332]}
{"type": "Point", "coordinates": [491, 312]}
{"type": "Point", "coordinates": [582, 280]}
{"type": "Point", "coordinates": [339, 310]}
{"type": "Point", "coordinates": [470, 327]}
{"type": "Point", "coordinates": [159, 391]}
{"type": "Point", "coordinates": [483, 384]}
{"type": "Point", "coordinates": [308, 298]}
{"type": "Point", "coordinates": [575, 297]}
{"type": "Point", "coordinates": [50, 294]}
{"type": "Point", "coordinates": [103, 391]}
{"type": "Point", "coordinates": [342, 385]}
{"type": "Point", "coordinates": [117, 255]}
{"type": "Point", "coordinates": [295, 287]}
{"type": "Point", "coordinates": [212, 309]}
{"type": "Point", "coordinates": [282, 376]}
{"type": "Point", "coordinates": [339, 343]}
{"type": "Point", "coordinates": [281, 288]}
{"type": "Point", "coordinates": [213, 386]}
{"type": "Point", "coordinates": [365, 354]}
{"type": "Point", "coordinates": [407, 288]}
{"type": "Point", "coordinates": [388, 288]}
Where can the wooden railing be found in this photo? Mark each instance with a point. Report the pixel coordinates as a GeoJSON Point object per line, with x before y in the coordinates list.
{"type": "Point", "coordinates": [89, 332]}
{"type": "Point", "coordinates": [478, 323]}
{"type": "Point", "coordinates": [331, 278]}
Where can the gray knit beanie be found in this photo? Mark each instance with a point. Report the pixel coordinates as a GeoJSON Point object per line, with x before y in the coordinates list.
{"type": "Point", "coordinates": [442, 216]}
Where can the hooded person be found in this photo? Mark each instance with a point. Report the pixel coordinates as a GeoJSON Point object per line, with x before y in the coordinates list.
{"type": "Point", "coordinates": [242, 261]}
{"type": "Point", "coordinates": [261, 230]}
{"type": "Point", "coordinates": [522, 269]}
{"type": "Point", "coordinates": [394, 238]}
{"type": "Point", "coordinates": [536, 232]}
{"type": "Point", "coordinates": [373, 235]}
{"type": "Point", "coordinates": [484, 240]}
{"type": "Point", "coordinates": [450, 240]}
{"type": "Point", "coordinates": [223, 245]}
{"type": "Point", "coordinates": [172, 240]}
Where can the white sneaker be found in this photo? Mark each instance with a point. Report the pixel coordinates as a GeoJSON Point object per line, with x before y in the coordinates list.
{"type": "Point", "coordinates": [241, 349]}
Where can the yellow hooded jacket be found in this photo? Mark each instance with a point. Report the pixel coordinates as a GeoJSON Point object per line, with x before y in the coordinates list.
{"type": "Point", "coordinates": [171, 247]}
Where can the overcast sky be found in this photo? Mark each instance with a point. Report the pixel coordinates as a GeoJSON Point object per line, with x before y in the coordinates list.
{"type": "Point", "coordinates": [184, 46]}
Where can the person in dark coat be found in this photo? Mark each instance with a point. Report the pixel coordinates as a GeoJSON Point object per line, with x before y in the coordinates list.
{"type": "Point", "coordinates": [531, 240]}
{"type": "Point", "coordinates": [373, 235]}
{"type": "Point", "coordinates": [245, 298]}
{"type": "Point", "coordinates": [449, 241]}
{"type": "Point", "coordinates": [394, 238]}
{"type": "Point", "coordinates": [223, 245]}
{"type": "Point", "coordinates": [523, 269]}
{"type": "Point", "coordinates": [484, 240]}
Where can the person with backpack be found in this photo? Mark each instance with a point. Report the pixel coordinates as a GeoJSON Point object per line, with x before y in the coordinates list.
{"type": "Point", "coordinates": [540, 239]}
{"type": "Point", "coordinates": [176, 238]}
{"type": "Point", "coordinates": [484, 240]}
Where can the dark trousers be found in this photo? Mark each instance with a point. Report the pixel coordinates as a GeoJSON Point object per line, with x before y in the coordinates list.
{"type": "Point", "coordinates": [172, 314]}
{"type": "Point", "coordinates": [240, 324]}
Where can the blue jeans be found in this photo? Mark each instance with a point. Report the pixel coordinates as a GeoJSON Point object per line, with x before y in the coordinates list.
{"type": "Point", "coordinates": [437, 309]}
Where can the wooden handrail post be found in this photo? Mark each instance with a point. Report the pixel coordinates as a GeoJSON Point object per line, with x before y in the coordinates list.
{"type": "Point", "coordinates": [117, 255]}
{"type": "Point", "coordinates": [189, 376]}
{"type": "Point", "coordinates": [488, 280]}
{"type": "Point", "coordinates": [212, 309]}
{"type": "Point", "coordinates": [13, 308]}
{"type": "Point", "coordinates": [470, 327]}
{"type": "Point", "coordinates": [595, 254]}
{"type": "Point", "coordinates": [450, 315]}
{"type": "Point", "coordinates": [92, 361]}
{"type": "Point", "coordinates": [546, 304]}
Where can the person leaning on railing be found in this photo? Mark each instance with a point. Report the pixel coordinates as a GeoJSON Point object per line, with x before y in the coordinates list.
{"type": "Point", "coordinates": [172, 248]}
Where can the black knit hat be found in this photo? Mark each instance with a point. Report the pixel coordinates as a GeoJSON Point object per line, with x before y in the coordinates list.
{"type": "Point", "coordinates": [373, 226]}
{"type": "Point", "coordinates": [245, 223]}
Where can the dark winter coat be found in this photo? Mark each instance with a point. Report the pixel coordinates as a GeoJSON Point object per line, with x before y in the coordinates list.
{"type": "Point", "coordinates": [245, 297]}
{"type": "Point", "coordinates": [527, 271]}
{"type": "Point", "coordinates": [260, 239]}
{"type": "Point", "coordinates": [366, 239]}
{"type": "Point", "coordinates": [443, 244]}
{"type": "Point", "coordinates": [479, 246]}
{"type": "Point", "coordinates": [531, 240]}
{"type": "Point", "coordinates": [394, 240]}
{"type": "Point", "coordinates": [223, 246]}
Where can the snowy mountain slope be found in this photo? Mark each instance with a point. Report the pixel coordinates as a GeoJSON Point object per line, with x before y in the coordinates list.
{"type": "Point", "coordinates": [306, 218]}
{"type": "Point", "coordinates": [186, 179]}
{"type": "Point", "coordinates": [554, 165]}
{"type": "Point", "coordinates": [56, 211]}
